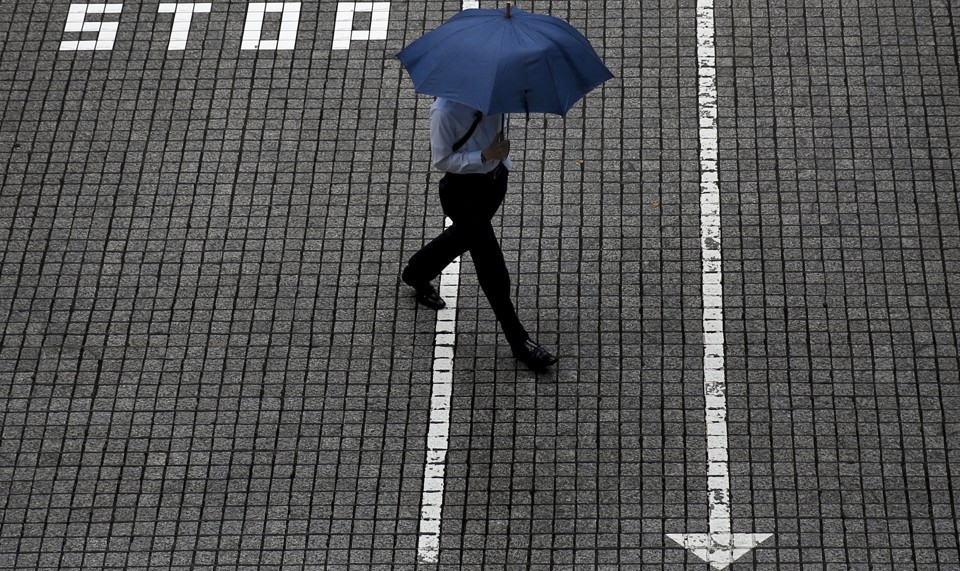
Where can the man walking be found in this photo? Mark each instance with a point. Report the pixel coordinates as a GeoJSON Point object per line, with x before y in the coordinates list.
{"type": "Point", "coordinates": [472, 152]}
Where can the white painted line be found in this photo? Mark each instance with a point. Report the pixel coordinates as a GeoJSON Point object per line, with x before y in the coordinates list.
{"type": "Point", "coordinates": [438, 433]}
{"type": "Point", "coordinates": [289, 24]}
{"type": "Point", "coordinates": [431, 504]}
{"type": "Point", "coordinates": [720, 546]}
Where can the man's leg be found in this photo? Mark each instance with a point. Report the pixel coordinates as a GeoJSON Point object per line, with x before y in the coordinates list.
{"type": "Point", "coordinates": [472, 202]}
{"type": "Point", "coordinates": [429, 262]}
{"type": "Point", "coordinates": [495, 281]}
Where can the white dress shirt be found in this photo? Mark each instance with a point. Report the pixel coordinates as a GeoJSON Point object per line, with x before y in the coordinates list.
{"type": "Point", "coordinates": [449, 122]}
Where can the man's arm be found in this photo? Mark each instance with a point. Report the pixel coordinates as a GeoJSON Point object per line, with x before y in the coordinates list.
{"type": "Point", "coordinates": [443, 133]}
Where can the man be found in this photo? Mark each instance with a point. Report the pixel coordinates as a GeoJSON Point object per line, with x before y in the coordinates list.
{"type": "Point", "coordinates": [472, 152]}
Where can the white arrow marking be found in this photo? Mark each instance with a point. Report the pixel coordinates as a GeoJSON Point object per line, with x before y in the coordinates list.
{"type": "Point", "coordinates": [720, 547]}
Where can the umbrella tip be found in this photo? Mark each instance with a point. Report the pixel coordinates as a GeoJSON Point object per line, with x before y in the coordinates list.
{"type": "Point", "coordinates": [508, 9]}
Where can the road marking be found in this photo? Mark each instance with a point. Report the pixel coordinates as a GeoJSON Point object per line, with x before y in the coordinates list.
{"type": "Point", "coordinates": [183, 15]}
{"type": "Point", "coordinates": [438, 433]}
{"type": "Point", "coordinates": [76, 23]}
{"type": "Point", "coordinates": [344, 33]}
{"type": "Point", "coordinates": [720, 546]}
{"type": "Point", "coordinates": [253, 28]}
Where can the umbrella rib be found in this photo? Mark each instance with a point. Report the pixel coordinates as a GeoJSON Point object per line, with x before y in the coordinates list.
{"type": "Point", "coordinates": [500, 66]}
{"type": "Point", "coordinates": [553, 78]}
{"type": "Point", "coordinates": [433, 68]}
{"type": "Point", "coordinates": [583, 82]}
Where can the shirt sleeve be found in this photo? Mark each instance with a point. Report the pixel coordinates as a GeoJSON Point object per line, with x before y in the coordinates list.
{"type": "Point", "coordinates": [444, 132]}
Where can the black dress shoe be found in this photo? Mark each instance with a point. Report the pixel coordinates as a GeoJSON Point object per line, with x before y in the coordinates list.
{"type": "Point", "coordinates": [534, 356]}
{"type": "Point", "coordinates": [428, 296]}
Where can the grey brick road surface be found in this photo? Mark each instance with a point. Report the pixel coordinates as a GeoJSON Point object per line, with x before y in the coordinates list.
{"type": "Point", "coordinates": [207, 360]}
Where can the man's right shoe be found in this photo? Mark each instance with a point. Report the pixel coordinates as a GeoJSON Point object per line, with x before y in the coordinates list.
{"type": "Point", "coordinates": [534, 356]}
{"type": "Point", "coordinates": [427, 295]}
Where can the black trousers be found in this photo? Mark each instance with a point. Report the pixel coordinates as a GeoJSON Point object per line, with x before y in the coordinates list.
{"type": "Point", "coordinates": [470, 201]}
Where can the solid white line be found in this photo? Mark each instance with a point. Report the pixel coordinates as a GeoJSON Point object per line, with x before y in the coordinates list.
{"type": "Point", "coordinates": [714, 377]}
{"type": "Point", "coordinates": [720, 547]}
{"type": "Point", "coordinates": [438, 433]}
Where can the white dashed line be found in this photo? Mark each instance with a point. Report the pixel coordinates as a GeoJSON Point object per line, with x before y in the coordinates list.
{"type": "Point", "coordinates": [720, 546]}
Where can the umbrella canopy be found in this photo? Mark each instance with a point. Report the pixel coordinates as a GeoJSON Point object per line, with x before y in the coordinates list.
{"type": "Point", "coordinates": [505, 61]}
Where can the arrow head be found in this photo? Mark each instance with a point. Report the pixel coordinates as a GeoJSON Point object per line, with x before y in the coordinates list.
{"type": "Point", "coordinates": [719, 549]}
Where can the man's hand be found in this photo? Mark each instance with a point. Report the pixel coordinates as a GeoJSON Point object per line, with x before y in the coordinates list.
{"type": "Point", "coordinates": [498, 150]}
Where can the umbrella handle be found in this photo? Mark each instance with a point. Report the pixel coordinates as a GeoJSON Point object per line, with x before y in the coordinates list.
{"type": "Point", "coordinates": [508, 9]}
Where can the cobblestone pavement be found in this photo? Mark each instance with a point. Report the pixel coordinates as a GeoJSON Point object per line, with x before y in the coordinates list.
{"type": "Point", "coordinates": [208, 360]}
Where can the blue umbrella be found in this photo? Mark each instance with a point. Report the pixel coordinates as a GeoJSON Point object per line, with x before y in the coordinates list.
{"type": "Point", "coordinates": [503, 61]}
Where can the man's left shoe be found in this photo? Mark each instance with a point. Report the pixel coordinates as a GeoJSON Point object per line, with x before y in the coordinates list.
{"type": "Point", "coordinates": [534, 356]}
{"type": "Point", "coordinates": [427, 295]}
